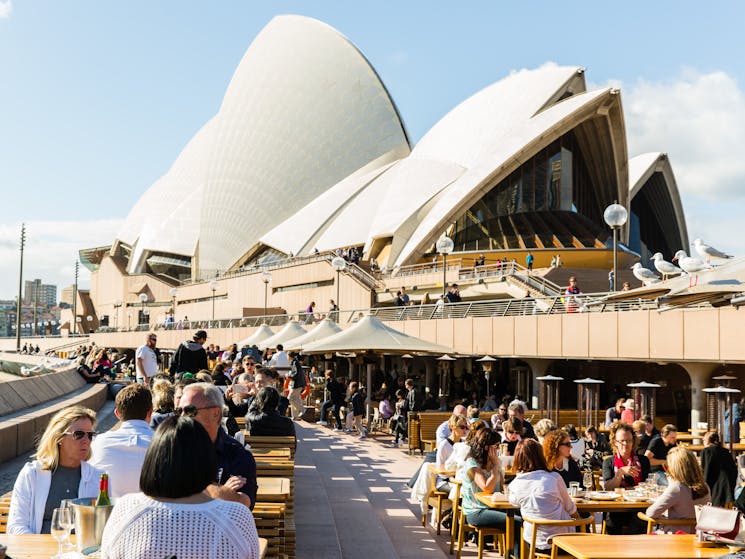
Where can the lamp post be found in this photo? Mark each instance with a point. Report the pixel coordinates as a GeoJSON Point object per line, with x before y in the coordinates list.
{"type": "Point", "coordinates": [143, 299]}
{"type": "Point", "coordinates": [487, 362]}
{"type": "Point", "coordinates": [266, 277]}
{"type": "Point", "coordinates": [78, 321]}
{"type": "Point", "coordinates": [117, 306]}
{"type": "Point", "coordinates": [213, 288]}
{"type": "Point", "coordinates": [173, 292]}
{"type": "Point", "coordinates": [615, 216]}
{"type": "Point", "coordinates": [444, 246]}
{"type": "Point", "coordinates": [129, 320]}
{"type": "Point", "coordinates": [20, 291]}
{"type": "Point", "coordinates": [339, 265]}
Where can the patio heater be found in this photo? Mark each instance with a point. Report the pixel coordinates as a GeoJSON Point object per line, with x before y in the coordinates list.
{"type": "Point", "coordinates": [487, 362]}
{"type": "Point", "coordinates": [643, 394]}
{"type": "Point", "coordinates": [588, 401]}
{"type": "Point", "coordinates": [444, 383]}
{"type": "Point", "coordinates": [724, 380]}
{"type": "Point", "coordinates": [406, 362]}
{"type": "Point", "coordinates": [549, 396]}
{"type": "Point", "coordinates": [720, 400]}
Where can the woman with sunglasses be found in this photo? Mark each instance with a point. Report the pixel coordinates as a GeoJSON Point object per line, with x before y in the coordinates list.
{"type": "Point", "coordinates": [557, 448]}
{"type": "Point", "coordinates": [60, 471]}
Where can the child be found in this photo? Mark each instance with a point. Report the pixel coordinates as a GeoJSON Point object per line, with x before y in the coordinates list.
{"type": "Point", "coordinates": [356, 409]}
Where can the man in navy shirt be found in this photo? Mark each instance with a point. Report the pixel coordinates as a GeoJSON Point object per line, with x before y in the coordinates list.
{"type": "Point", "coordinates": [236, 467]}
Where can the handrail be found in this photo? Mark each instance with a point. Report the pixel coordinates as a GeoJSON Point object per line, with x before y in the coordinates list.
{"type": "Point", "coordinates": [562, 304]}
{"type": "Point", "coordinates": [367, 279]}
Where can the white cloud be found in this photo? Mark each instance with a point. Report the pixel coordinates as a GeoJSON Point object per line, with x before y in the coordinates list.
{"type": "Point", "coordinates": [698, 119]}
{"type": "Point", "coordinates": [6, 8]}
{"type": "Point", "coordinates": [51, 250]}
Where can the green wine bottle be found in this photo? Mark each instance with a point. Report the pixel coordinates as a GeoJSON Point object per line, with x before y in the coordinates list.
{"type": "Point", "coordinates": [103, 491]}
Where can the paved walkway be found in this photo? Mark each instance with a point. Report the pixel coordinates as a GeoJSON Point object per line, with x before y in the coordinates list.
{"type": "Point", "coordinates": [351, 500]}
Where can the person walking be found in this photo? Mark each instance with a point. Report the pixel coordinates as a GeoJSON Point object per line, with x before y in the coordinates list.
{"type": "Point", "coordinates": [146, 360]}
{"type": "Point", "coordinates": [190, 357]}
{"type": "Point", "coordinates": [529, 261]}
{"type": "Point", "coordinates": [297, 385]}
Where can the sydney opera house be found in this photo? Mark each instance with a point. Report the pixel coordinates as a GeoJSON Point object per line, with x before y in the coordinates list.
{"type": "Point", "coordinates": [308, 154]}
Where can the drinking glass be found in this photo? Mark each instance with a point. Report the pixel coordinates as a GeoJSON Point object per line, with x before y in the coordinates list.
{"type": "Point", "coordinates": [67, 504]}
{"type": "Point", "coordinates": [59, 530]}
{"type": "Point", "coordinates": [587, 481]}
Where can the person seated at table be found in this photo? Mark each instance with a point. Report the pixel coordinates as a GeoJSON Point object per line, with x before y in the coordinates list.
{"type": "Point", "coordinates": [518, 409]}
{"type": "Point", "coordinates": [458, 429]}
{"type": "Point", "coordinates": [543, 428]}
{"type": "Point", "coordinates": [163, 394]}
{"type": "Point", "coordinates": [498, 418]}
{"type": "Point", "coordinates": [720, 470]}
{"type": "Point", "coordinates": [461, 450]}
{"type": "Point", "coordinates": [175, 516]}
{"type": "Point", "coordinates": [596, 447]}
{"type": "Point", "coordinates": [657, 451]}
{"type": "Point", "coordinates": [512, 431]}
{"type": "Point", "coordinates": [625, 469]}
{"type": "Point", "coordinates": [482, 471]}
{"type": "Point", "coordinates": [578, 443]}
{"type": "Point", "coordinates": [539, 492]}
{"type": "Point", "coordinates": [685, 490]}
{"type": "Point", "coordinates": [60, 471]}
{"type": "Point", "coordinates": [263, 419]}
{"type": "Point", "coordinates": [557, 450]}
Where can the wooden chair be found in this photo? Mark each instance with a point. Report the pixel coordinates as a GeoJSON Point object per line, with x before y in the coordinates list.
{"type": "Point", "coordinates": [463, 527]}
{"type": "Point", "coordinates": [435, 498]}
{"type": "Point", "coordinates": [531, 553]}
{"type": "Point", "coordinates": [662, 521]}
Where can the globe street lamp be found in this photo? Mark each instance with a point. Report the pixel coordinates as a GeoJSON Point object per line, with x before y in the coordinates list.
{"type": "Point", "coordinates": [129, 320]}
{"type": "Point", "coordinates": [444, 246]}
{"type": "Point", "coordinates": [615, 216]}
{"type": "Point", "coordinates": [143, 299]}
{"type": "Point", "coordinates": [213, 288]}
{"type": "Point", "coordinates": [266, 277]}
{"type": "Point", "coordinates": [89, 320]}
{"type": "Point", "coordinates": [339, 265]}
{"type": "Point", "coordinates": [78, 320]}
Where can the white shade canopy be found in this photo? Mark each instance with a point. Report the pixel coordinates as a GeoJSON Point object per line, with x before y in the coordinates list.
{"type": "Point", "coordinates": [370, 334]}
{"type": "Point", "coordinates": [291, 330]}
{"type": "Point", "coordinates": [324, 329]}
{"type": "Point", "coordinates": [261, 334]}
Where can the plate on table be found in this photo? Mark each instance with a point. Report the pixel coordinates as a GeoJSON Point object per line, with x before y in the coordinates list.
{"type": "Point", "coordinates": [602, 495]}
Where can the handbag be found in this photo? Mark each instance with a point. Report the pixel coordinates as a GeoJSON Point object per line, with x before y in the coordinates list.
{"type": "Point", "coordinates": [723, 524]}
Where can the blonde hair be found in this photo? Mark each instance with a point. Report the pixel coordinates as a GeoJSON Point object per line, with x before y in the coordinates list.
{"type": "Point", "coordinates": [47, 451]}
{"type": "Point", "coordinates": [163, 393]}
{"type": "Point", "coordinates": [684, 468]}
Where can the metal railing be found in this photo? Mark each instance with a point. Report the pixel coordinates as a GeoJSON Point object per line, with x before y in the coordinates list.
{"type": "Point", "coordinates": [529, 306]}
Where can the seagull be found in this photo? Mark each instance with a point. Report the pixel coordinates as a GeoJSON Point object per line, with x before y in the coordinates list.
{"type": "Point", "coordinates": [643, 275]}
{"type": "Point", "coordinates": [707, 252]}
{"type": "Point", "coordinates": [664, 267]}
{"type": "Point", "coordinates": [690, 265]}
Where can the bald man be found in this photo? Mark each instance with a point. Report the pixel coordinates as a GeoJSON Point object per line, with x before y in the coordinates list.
{"type": "Point", "coordinates": [443, 431]}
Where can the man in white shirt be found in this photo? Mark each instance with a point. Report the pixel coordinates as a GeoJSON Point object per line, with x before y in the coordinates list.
{"type": "Point", "coordinates": [280, 361]}
{"type": "Point", "coordinates": [121, 453]}
{"type": "Point", "coordinates": [146, 360]}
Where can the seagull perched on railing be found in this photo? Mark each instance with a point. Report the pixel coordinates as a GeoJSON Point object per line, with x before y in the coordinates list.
{"type": "Point", "coordinates": [707, 252]}
{"type": "Point", "coordinates": [664, 267]}
{"type": "Point", "coordinates": [690, 265]}
{"type": "Point", "coordinates": [643, 275]}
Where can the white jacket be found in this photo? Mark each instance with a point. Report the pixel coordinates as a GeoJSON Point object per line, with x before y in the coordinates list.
{"type": "Point", "coordinates": [30, 494]}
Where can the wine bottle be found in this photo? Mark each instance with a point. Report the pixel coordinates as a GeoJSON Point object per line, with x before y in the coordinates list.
{"type": "Point", "coordinates": [103, 491]}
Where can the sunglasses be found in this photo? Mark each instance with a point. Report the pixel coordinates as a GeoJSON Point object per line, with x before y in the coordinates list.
{"type": "Point", "coordinates": [78, 435]}
{"type": "Point", "coordinates": [565, 444]}
{"type": "Point", "coordinates": [190, 411]}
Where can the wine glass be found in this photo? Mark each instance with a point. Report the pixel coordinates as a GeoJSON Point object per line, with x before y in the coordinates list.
{"type": "Point", "coordinates": [59, 530]}
{"type": "Point", "coordinates": [67, 504]}
{"type": "Point", "coordinates": [587, 481]}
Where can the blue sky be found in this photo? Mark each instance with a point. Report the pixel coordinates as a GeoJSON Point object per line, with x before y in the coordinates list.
{"type": "Point", "coordinates": [98, 97]}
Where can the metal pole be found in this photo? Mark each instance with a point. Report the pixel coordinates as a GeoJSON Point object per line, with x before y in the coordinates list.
{"type": "Point", "coordinates": [75, 300]}
{"type": "Point", "coordinates": [36, 304]}
{"type": "Point", "coordinates": [266, 288]}
{"type": "Point", "coordinates": [338, 307]}
{"type": "Point", "coordinates": [20, 288]}
{"type": "Point", "coordinates": [213, 305]}
{"type": "Point", "coordinates": [444, 274]}
{"type": "Point", "coordinates": [615, 258]}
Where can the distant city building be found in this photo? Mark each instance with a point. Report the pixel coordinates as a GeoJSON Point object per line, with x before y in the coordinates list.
{"type": "Point", "coordinates": [42, 294]}
{"type": "Point", "coordinates": [66, 296]}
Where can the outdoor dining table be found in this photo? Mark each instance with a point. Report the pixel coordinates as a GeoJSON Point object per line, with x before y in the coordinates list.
{"type": "Point", "coordinates": [272, 489]}
{"type": "Point", "coordinates": [583, 505]}
{"type": "Point", "coordinates": [44, 546]}
{"type": "Point", "coordinates": [669, 546]}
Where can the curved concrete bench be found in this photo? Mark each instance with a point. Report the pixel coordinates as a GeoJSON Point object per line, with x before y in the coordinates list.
{"type": "Point", "coordinates": [27, 404]}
